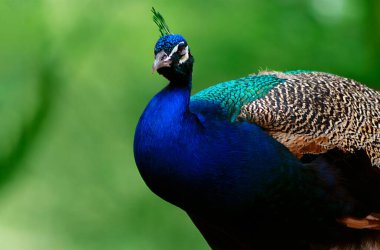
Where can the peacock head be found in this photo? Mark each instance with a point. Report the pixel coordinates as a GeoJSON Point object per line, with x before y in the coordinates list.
{"type": "Point", "coordinates": [172, 54]}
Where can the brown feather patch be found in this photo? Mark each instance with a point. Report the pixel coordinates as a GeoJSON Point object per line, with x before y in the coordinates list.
{"type": "Point", "coordinates": [315, 112]}
{"type": "Point", "coordinates": [302, 144]}
{"type": "Point", "coordinates": [369, 222]}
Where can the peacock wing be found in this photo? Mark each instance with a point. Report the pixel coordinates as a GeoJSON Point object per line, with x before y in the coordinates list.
{"type": "Point", "coordinates": [313, 112]}
{"type": "Point", "coordinates": [308, 112]}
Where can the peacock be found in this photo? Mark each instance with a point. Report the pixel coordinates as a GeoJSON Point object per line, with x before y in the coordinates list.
{"type": "Point", "coordinates": [273, 160]}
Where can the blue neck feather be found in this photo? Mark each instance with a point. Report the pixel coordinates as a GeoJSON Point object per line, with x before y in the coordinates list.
{"type": "Point", "coordinates": [211, 162]}
{"type": "Point", "coordinates": [161, 137]}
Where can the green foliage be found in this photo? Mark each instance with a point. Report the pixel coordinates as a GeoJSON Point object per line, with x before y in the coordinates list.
{"type": "Point", "coordinates": [75, 77]}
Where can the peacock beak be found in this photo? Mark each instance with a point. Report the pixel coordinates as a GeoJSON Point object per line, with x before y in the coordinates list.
{"type": "Point", "coordinates": [161, 60]}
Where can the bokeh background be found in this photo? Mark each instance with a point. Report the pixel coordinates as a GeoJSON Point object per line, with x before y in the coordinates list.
{"type": "Point", "coordinates": [76, 75]}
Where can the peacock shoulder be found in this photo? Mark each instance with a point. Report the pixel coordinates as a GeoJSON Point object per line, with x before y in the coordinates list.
{"type": "Point", "coordinates": [226, 99]}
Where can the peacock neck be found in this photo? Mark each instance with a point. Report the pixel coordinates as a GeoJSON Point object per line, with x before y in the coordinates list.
{"type": "Point", "coordinates": [168, 112]}
{"type": "Point", "coordinates": [176, 97]}
{"type": "Point", "coordinates": [166, 121]}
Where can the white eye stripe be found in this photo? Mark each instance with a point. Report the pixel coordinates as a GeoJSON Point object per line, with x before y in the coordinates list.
{"type": "Point", "coordinates": [175, 49]}
{"type": "Point", "coordinates": [185, 56]}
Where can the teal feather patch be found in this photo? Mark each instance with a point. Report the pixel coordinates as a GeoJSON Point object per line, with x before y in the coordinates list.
{"type": "Point", "coordinates": [229, 97]}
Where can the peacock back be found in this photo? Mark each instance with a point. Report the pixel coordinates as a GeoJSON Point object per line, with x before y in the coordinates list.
{"type": "Point", "coordinates": [308, 112]}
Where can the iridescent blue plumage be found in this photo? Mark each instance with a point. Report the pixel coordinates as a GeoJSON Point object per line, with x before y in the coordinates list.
{"type": "Point", "coordinates": [167, 43]}
{"type": "Point", "coordinates": [242, 188]}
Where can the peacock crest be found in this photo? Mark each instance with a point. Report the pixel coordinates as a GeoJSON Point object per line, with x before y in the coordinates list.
{"type": "Point", "coordinates": [160, 21]}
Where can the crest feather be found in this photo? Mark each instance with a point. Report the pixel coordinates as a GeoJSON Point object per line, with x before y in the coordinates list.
{"type": "Point", "coordinates": [159, 20]}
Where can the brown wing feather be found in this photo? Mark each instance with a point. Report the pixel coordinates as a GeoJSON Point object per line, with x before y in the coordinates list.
{"type": "Point", "coordinates": [315, 112]}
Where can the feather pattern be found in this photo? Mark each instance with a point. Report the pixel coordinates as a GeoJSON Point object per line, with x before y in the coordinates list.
{"type": "Point", "coordinates": [308, 112]}
{"type": "Point", "coordinates": [229, 97]}
{"type": "Point", "coordinates": [316, 112]}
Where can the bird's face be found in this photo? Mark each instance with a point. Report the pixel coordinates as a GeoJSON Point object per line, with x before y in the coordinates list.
{"type": "Point", "coordinates": [172, 57]}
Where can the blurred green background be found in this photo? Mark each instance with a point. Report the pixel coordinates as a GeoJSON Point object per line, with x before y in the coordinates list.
{"type": "Point", "coordinates": [76, 75]}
